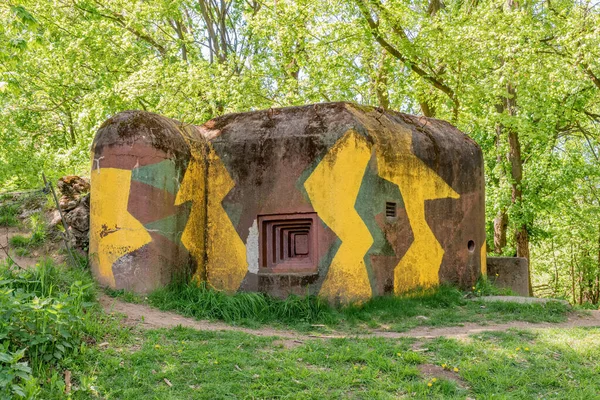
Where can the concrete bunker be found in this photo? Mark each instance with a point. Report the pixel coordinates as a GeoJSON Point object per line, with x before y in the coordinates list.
{"type": "Point", "coordinates": [337, 200]}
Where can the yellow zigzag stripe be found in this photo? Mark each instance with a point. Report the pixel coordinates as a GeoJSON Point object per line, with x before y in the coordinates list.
{"type": "Point", "coordinates": [114, 232]}
{"type": "Point", "coordinates": [227, 265]}
{"type": "Point", "coordinates": [209, 230]}
{"type": "Point", "coordinates": [417, 182]}
{"type": "Point", "coordinates": [333, 188]}
{"type": "Point", "coordinates": [193, 189]}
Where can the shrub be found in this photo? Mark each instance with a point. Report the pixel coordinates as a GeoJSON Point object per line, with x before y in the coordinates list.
{"type": "Point", "coordinates": [41, 319]}
{"type": "Point", "coordinates": [15, 376]}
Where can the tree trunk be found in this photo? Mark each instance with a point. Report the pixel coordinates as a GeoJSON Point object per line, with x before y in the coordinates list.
{"type": "Point", "coordinates": [573, 275]}
{"type": "Point", "coordinates": [381, 84]}
{"type": "Point", "coordinates": [500, 227]}
{"type": "Point", "coordinates": [516, 172]}
{"type": "Point", "coordinates": [597, 285]}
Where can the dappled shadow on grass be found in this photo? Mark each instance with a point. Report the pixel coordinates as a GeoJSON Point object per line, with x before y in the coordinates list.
{"type": "Point", "coordinates": [184, 363]}
{"type": "Point", "coordinates": [441, 306]}
{"type": "Point", "coordinates": [551, 363]}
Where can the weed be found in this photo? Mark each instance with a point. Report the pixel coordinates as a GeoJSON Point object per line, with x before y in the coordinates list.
{"type": "Point", "coordinates": [16, 379]}
{"type": "Point", "coordinates": [38, 235]}
{"type": "Point", "coordinates": [38, 227]}
{"type": "Point", "coordinates": [49, 203]}
{"type": "Point", "coordinates": [22, 252]}
{"type": "Point", "coordinates": [8, 215]}
{"type": "Point", "coordinates": [19, 241]}
{"type": "Point", "coordinates": [124, 295]}
{"type": "Point", "coordinates": [42, 316]}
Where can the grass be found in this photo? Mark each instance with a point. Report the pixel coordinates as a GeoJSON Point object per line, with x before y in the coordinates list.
{"type": "Point", "coordinates": [183, 363]}
{"type": "Point", "coordinates": [442, 306]}
{"type": "Point", "coordinates": [19, 241]}
{"type": "Point", "coordinates": [250, 308]}
{"type": "Point", "coordinates": [553, 363]}
{"type": "Point", "coordinates": [8, 215]}
{"type": "Point", "coordinates": [115, 361]}
{"type": "Point", "coordinates": [22, 244]}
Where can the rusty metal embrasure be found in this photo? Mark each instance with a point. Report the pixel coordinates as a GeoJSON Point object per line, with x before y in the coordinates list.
{"type": "Point", "coordinates": [288, 243]}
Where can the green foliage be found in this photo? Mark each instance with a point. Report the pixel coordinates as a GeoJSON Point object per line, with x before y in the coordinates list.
{"type": "Point", "coordinates": [22, 252]}
{"type": "Point", "coordinates": [486, 287]}
{"type": "Point", "coordinates": [19, 241]}
{"type": "Point", "coordinates": [16, 380]}
{"type": "Point", "coordinates": [64, 70]}
{"type": "Point", "coordinates": [42, 318]}
{"type": "Point", "coordinates": [38, 227]}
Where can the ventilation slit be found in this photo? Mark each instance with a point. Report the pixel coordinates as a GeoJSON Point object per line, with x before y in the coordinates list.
{"type": "Point", "coordinates": [390, 209]}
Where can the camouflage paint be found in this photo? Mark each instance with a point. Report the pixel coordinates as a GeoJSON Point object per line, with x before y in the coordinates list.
{"type": "Point", "coordinates": [371, 201]}
{"type": "Point", "coordinates": [418, 183]}
{"type": "Point", "coordinates": [340, 173]}
{"type": "Point", "coordinates": [193, 196]}
{"type": "Point", "coordinates": [193, 191]}
{"type": "Point", "coordinates": [226, 253]}
{"type": "Point", "coordinates": [114, 232]}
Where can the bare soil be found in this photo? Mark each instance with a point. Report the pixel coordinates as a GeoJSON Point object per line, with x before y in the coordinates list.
{"type": "Point", "coordinates": [48, 249]}
{"type": "Point", "coordinates": [5, 235]}
{"type": "Point", "coordinates": [147, 317]}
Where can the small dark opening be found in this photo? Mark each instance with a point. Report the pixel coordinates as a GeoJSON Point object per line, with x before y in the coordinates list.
{"type": "Point", "coordinates": [390, 209]}
{"type": "Point", "coordinates": [471, 246]}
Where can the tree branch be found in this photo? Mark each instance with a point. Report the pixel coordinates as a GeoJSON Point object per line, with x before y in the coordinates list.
{"type": "Point", "coordinates": [438, 84]}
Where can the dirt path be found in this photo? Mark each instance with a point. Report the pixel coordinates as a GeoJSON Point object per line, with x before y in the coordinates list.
{"type": "Point", "coordinates": [152, 318]}
{"type": "Point", "coordinates": [5, 235]}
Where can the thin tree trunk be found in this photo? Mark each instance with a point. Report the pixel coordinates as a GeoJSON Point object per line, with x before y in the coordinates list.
{"type": "Point", "coordinates": [500, 227]}
{"type": "Point", "coordinates": [555, 289]}
{"type": "Point", "coordinates": [381, 83]}
{"type": "Point", "coordinates": [572, 275]}
{"type": "Point", "coordinates": [597, 288]}
{"type": "Point", "coordinates": [178, 28]}
{"type": "Point", "coordinates": [71, 128]}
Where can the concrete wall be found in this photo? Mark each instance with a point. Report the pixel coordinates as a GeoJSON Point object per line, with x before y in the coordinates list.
{"type": "Point", "coordinates": [510, 272]}
{"type": "Point", "coordinates": [338, 200]}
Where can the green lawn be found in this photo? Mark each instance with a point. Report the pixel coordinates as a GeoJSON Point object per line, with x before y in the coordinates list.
{"type": "Point", "coordinates": [52, 307]}
{"type": "Point", "coordinates": [183, 364]}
